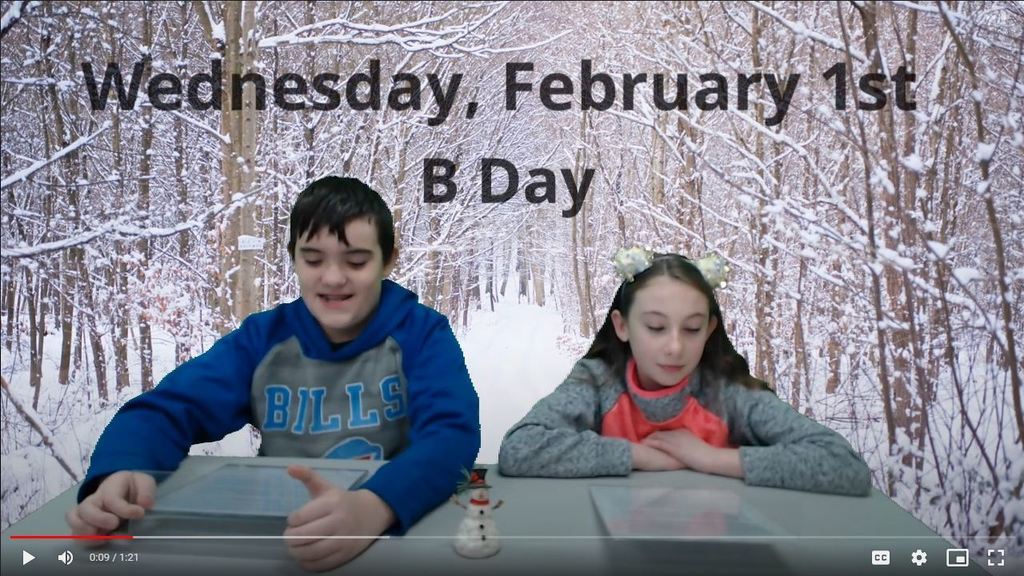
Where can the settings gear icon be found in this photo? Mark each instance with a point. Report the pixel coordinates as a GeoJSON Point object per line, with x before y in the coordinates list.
{"type": "Point", "coordinates": [919, 557]}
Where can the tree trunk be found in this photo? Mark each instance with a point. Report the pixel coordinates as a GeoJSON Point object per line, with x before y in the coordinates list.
{"type": "Point", "coordinates": [246, 300]}
{"type": "Point", "coordinates": [67, 276]}
{"type": "Point", "coordinates": [10, 296]}
{"type": "Point", "coordinates": [579, 258]}
{"type": "Point", "coordinates": [889, 223]}
{"type": "Point", "coordinates": [181, 325]}
{"type": "Point", "coordinates": [763, 296]}
{"type": "Point", "coordinates": [119, 310]}
{"type": "Point", "coordinates": [537, 274]}
{"type": "Point", "coordinates": [801, 373]}
{"type": "Point", "coordinates": [876, 281]}
{"type": "Point", "coordinates": [36, 326]}
{"type": "Point", "coordinates": [143, 247]}
{"type": "Point", "coordinates": [523, 272]}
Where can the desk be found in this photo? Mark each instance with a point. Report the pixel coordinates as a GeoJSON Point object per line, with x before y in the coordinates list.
{"type": "Point", "coordinates": [551, 526]}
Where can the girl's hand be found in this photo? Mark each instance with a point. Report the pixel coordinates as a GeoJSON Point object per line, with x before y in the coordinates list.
{"type": "Point", "coordinates": [682, 445]}
{"type": "Point", "coordinates": [652, 459]}
{"type": "Point", "coordinates": [697, 454]}
{"type": "Point", "coordinates": [333, 512]}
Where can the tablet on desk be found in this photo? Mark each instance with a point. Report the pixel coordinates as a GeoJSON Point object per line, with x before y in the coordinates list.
{"type": "Point", "coordinates": [246, 490]}
{"type": "Point", "coordinates": [679, 513]}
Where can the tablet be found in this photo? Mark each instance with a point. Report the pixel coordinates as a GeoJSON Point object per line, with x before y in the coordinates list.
{"type": "Point", "coordinates": [247, 490]}
{"type": "Point", "coordinates": [679, 513]}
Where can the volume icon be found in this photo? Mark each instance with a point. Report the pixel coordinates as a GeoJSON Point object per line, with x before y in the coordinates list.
{"type": "Point", "coordinates": [66, 557]}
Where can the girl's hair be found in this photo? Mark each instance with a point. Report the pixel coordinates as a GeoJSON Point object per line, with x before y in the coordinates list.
{"type": "Point", "coordinates": [719, 356]}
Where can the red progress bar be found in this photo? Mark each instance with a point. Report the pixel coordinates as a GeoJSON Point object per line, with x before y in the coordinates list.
{"type": "Point", "coordinates": [73, 537]}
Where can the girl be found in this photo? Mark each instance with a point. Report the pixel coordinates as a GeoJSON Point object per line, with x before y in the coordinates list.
{"type": "Point", "coordinates": [662, 388]}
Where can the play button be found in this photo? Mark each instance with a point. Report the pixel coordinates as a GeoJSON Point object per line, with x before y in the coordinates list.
{"type": "Point", "coordinates": [26, 557]}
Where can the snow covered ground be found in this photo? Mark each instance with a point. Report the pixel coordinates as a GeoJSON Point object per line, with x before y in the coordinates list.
{"type": "Point", "coordinates": [514, 359]}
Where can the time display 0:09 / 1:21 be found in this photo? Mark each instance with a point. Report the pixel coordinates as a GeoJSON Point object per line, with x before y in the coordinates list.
{"type": "Point", "coordinates": [113, 557]}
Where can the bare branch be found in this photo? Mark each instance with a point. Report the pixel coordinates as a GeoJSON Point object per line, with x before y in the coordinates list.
{"type": "Point", "coordinates": [24, 173]}
{"type": "Point", "coordinates": [16, 12]}
{"type": "Point", "coordinates": [36, 423]}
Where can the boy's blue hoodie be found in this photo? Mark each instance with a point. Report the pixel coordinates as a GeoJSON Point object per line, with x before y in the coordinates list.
{"type": "Point", "coordinates": [400, 392]}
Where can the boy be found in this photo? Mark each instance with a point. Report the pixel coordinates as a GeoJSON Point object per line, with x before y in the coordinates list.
{"type": "Point", "coordinates": [355, 368]}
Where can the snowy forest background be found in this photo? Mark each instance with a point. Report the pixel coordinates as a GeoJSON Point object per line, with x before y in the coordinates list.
{"type": "Point", "coordinates": [876, 255]}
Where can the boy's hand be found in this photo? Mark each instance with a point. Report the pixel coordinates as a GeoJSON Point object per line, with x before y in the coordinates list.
{"type": "Point", "coordinates": [333, 512]}
{"type": "Point", "coordinates": [682, 445]}
{"type": "Point", "coordinates": [121, 496]}
{"type": "Point", "coordinates": [653, 460]}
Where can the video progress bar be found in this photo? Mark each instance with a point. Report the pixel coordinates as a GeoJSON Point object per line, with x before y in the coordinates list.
{"type": "Point", "coordinates": [701, 538]}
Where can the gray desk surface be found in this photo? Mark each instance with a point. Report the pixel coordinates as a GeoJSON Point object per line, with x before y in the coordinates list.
{"type": "Point", "coordinates": [549, 526]}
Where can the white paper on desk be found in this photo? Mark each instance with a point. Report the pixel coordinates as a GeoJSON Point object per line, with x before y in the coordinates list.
{"type": "Point", "coordinates": [247, 490]}
{"type": "Point", "coordinates": [673, 512]}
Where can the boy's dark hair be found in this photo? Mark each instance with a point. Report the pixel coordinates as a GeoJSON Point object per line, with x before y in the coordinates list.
{"type": "Point", "coordinates": [333, 202]}
{"type": "Point", "coordinates": [720, 357]}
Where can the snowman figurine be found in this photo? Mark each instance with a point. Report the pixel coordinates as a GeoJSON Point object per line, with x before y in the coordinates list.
{"type": "Point", "coordinates": [477, 536]}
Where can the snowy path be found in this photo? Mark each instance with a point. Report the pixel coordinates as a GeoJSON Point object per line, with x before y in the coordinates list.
{"type": "Point", "coordinates": [514, 361]}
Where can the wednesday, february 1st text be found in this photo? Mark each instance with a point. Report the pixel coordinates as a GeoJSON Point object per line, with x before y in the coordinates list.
{"type": "Point", "coordinates": [587, 90]}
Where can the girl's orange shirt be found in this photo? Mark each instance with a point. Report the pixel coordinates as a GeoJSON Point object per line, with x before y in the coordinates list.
{"type": "Point", "coordinates": [626, 420]}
